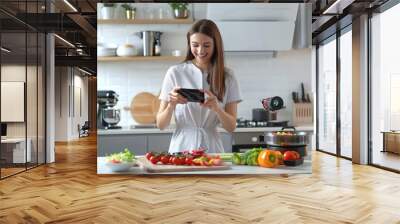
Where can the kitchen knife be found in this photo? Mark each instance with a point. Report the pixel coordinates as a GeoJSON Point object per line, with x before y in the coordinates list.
{"type": "Point", "coordinates": [303, 97]}
{"type": "Point", "coordinates": [294, 97]}
{"type": "Point", "coordinates": [308, 98]}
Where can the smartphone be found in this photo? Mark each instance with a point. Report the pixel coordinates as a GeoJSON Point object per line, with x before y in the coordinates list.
{"type": "Point", "coordinates": [192, 95]}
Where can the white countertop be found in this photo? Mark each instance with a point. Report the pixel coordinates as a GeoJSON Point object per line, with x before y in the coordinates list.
{"type": "Point", "coordinates": [305, 168]}
{"type": "Point", "coordinates": [128, 130]}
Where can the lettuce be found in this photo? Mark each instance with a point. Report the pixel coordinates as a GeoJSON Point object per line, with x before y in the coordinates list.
{"type": "Point", "coordinates": [125, 156]}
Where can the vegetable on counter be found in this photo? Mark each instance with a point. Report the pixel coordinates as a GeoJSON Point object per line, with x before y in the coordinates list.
{"type": "Point", "coordinates": [264, 157]}
{"type": "Point", "coordinates": [197, 157]}
{"type": "Point", "coordinates": [291, 155]}
{"type": "Point", "coordinates": [122, 157]}
{"type": "Point", "coordinates": [269, 158]}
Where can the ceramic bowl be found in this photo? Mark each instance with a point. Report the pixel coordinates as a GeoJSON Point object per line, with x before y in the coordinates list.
{"type": "Point", "coordinates": [127, 50]}
{"type": "Point", "coordinates": [120, 167]}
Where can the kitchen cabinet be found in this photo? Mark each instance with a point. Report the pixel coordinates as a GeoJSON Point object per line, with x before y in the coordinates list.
{"type": "Point", "coordinates": [107, 144]}
{"type": "Point", "coordinates": [227, 142]}
{"type": "Point", "coordinates": [158, 142]}
{"type": "Point", "coordinates": [142, 143]}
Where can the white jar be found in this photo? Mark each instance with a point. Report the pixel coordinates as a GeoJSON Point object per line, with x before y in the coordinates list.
{"type": "Point", "coordinates": [107, 12]}
{"type": "Point", "coordinates": [127, 50]}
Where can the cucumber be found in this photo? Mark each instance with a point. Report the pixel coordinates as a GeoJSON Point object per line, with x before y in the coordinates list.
{"type": "Point", "coordinates": [227, 157]}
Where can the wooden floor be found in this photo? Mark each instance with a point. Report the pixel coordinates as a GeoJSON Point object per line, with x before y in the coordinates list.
{"type": "Point", "coordinates": [70, 191]}
{"type": "Point", "coordinates": [386, 159]}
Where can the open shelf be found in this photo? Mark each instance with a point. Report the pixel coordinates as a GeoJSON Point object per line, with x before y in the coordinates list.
{"type": "Point", "coordinates": [145, 21]}
{"type": "Point", "coordinates": [141, 58]}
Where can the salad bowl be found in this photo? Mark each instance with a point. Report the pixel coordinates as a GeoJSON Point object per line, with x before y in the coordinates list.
{"type": "Point", "coordinates": [121, 161]}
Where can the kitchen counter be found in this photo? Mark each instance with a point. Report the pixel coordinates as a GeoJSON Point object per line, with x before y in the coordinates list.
{"type": "Point", "coordinates": [128, 130]}
{"type": "Point", "coordinates": [305, 168]}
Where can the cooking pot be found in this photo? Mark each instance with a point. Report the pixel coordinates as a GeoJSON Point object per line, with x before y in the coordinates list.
{"type": "Point", "coordinates": [286, 137]}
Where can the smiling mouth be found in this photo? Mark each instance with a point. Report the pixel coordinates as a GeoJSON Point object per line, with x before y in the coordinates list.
{"type": "Point", "coordinates": [201, 56]}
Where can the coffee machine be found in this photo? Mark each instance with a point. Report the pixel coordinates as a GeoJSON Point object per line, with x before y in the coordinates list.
{"type": "Point", "coordinates": [107, 116]}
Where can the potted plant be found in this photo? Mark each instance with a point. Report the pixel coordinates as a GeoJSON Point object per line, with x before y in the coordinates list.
{"type": "Point", "coordinates": [129, 11]}
{"type": "Point", "coordinates": [107, 11]}
{"type": "Point", "coordinates": [180, 10]}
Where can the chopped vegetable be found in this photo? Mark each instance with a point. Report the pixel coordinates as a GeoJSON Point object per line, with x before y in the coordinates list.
{"type": "Point", "coordinates": [125, 157]}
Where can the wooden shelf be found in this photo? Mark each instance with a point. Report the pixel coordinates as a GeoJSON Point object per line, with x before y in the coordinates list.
{"type": "Point", "coordinates": [141, 58]}
{"type": "Point", "coordinates": [145, 21]}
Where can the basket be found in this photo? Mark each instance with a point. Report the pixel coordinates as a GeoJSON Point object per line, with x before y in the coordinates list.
{"type": "Point", "coordinates": [302, 114]}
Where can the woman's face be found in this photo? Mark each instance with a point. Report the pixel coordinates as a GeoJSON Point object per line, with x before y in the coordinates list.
{"type": "Point", "coordinates": [202, 47]}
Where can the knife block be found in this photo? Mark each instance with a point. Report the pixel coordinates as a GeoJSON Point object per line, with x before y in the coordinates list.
{"type": "Point", "coordinates": [302, 114]}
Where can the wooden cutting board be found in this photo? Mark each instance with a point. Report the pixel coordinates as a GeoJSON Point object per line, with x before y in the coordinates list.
{"type": "Point", "coordinates": [149, 167]}
{"type": "Point", "coordinates": [144, 108]}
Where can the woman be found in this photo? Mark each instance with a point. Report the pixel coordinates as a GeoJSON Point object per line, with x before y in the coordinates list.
{"type": "Point", "coordinates": [203, 68]}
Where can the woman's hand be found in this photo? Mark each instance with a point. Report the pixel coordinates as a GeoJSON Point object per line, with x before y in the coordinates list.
{"type": "Point", "coordinates": [175, 97]}
{"type": "Point", "coordinates": [211, 101]}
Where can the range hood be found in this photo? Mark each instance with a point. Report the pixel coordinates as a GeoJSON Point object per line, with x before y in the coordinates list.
{"type": "Point", "coordinates": [255, 27]}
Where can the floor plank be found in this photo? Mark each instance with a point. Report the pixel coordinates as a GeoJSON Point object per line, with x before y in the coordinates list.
{"type": "Point", "coordinates": [70, 191]}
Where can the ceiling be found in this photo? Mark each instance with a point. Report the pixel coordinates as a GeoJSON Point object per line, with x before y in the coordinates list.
{"type": "Point", "coordinates": [79, 27]}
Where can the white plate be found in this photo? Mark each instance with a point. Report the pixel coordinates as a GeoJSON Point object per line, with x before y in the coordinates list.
{"type": "Point", "coordinates": [104, 50]}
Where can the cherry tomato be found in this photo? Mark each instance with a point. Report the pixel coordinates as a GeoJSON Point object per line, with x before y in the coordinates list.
{"type": "Point", "coordinates": [178, 161]}
{"type": "Point", "coordinates": [164, 159]}
{"type": "Point", "coordinates": [154, 159]}
{"type": "Point", "coordinates": [175, 160]}
{"type": "Point", "coordinates": [115, 161]}
{"type": "Point", "coordinates": [189, 161]}
{"type": "Point", "coordinates": [148, 155]}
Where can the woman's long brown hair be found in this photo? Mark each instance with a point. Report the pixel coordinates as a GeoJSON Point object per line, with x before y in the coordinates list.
{"type": "Point", "coordinates": [216, 77]}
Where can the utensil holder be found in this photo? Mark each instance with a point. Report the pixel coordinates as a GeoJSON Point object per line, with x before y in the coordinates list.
{"type": "Point", "coordinates": [302, 113]}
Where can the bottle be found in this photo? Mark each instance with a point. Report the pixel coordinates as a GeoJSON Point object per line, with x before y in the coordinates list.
{"type": "Point", "coordinates": [157, 48]}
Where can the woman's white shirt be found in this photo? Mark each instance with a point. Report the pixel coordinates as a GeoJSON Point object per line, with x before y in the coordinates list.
{"type": "Point", "coordinates": [196, 126]}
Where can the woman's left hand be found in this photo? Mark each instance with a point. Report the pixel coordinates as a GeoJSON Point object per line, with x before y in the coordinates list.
{"type": "Point", "coordinates": [211, 101]}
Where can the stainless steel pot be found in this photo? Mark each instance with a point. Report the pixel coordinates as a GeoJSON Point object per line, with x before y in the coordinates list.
{"type": "Point", "coordinates": [181, 13]}
{"type": "Point", "coordinates": [286, 137]}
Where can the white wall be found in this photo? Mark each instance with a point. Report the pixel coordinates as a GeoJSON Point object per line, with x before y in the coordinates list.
{"type": "Point", "coordinates": [68, 84]}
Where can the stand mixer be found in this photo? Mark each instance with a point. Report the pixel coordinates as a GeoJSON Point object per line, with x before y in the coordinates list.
{"type": "Point", "coordinates": [107, 116]}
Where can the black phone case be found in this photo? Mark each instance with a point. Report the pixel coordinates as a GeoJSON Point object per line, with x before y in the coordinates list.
{"type": "Point", "coordinates": [192, 95]}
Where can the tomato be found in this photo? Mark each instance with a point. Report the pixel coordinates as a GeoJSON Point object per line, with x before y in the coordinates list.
{"type": "Point", "coordinates": [170, 159]}
{"type": "Point", "coordinates": [154, 159]}
{"type": "Point", "coordinates": [115, 161]}
{"type": "Point", "coordinates": [178, 161]}
{"type": "Point", "coordinates": [148, 155]}
{"type": "Point", "coordinates": [217, 162]}
{"type": "Point", "coordinates": [297, 155]}
{"type": "Point", "coordinates": [189, 161]}
{"type": "Point", "coordinates": [268, 158]}
{"type": "Point", "coordinates": [291, 155]}
{"type": "Point", "coordinates": [164, 159]}
{"type": "Point", "coordinates": [181, 160]}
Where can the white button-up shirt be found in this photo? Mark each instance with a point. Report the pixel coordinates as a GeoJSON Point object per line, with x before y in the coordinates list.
{"type": "Point", "coordinates": [196, 126]}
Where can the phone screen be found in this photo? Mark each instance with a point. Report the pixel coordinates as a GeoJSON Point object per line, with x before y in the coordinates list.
{"type": "Point", "coordinates": [192, 95]}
